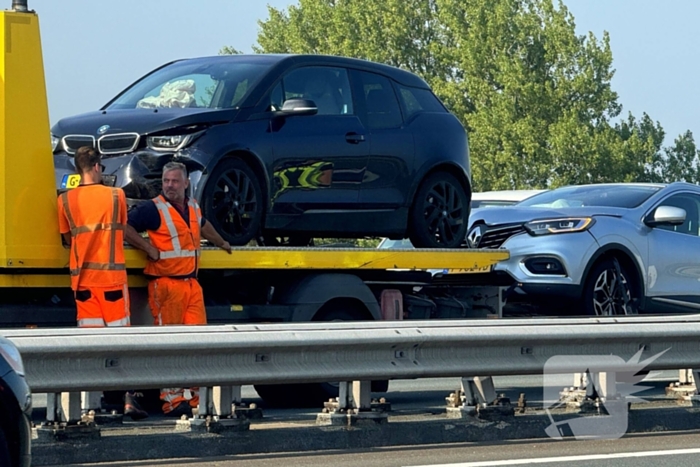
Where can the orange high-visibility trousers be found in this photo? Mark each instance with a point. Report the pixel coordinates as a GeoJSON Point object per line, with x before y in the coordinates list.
{"type": "Point", "coordinates": [103, 306]}
{"type": "Point", "coordinates": [177, 301]}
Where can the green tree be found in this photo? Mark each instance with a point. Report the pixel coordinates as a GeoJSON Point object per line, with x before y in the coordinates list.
{"type": "Point", "coordinates": [682, 160]}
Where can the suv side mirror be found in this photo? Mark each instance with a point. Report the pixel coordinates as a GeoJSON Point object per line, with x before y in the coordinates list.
{"type": "Point", "coordinates": [665, 215]}
{"type": "Point", "coordinates": [298, 107]}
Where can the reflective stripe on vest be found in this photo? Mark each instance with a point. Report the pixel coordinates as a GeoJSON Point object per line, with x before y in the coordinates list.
{"type": "Point", "coordinates": [177, 251]}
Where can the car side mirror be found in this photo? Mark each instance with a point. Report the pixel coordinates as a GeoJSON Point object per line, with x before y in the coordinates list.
{"type": "Point", "coordinates": [298, 107]}
{"type": "Point", "coordinates": [666, 215]}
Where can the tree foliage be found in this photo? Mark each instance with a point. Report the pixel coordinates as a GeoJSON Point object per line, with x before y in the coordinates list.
{"type": "Point", "coordinates": [535, 97]}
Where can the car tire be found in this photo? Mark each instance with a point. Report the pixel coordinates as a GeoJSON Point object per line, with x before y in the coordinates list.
{"type": "Point", "coordinates": [611, 290]}
{"type": "Point", "coordinates": [5, 457]}
{"type": "Point", "coordinates": [313, 394]}
{"type": "Point", "coordinates": [233, 202]}
{"type": "Point", "coordinates": [439, 217]}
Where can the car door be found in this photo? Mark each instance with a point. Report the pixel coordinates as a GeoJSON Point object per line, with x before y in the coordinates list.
{"type": "Point", "coordinates": [674, 268]}
{"type": "Point", "coordinates": [387, 179]}
{"type": "Point", "coordinates": [318, 160]}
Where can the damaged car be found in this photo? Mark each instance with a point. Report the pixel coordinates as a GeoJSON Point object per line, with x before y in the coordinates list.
{"type": "Point", "coordinates": [287, 146]}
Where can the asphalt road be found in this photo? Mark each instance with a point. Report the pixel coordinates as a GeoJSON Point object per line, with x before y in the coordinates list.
{"type": "Point", "coordinates": [677, 450]}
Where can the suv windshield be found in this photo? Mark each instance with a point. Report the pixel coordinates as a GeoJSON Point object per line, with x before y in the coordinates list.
{"type": "Point", "coordinates": [620, 196]}
{"type": "Point", "coordinates": [217, 84]}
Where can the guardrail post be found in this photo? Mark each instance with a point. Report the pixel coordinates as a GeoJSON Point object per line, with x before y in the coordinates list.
{"type": "Point", "coordinates": [53, 407]}
{"type": "Point", "coordinates": [70, 404]}
{"type": "Point", "coordinates": [215, 413]}
{"type": "Point", "coordinates": [64, 419]}
{"type": "Point", "coordinates": [477, 396]}
{"type": "Point", "coordinates": [685, 389]}
{"type": "Point", "coordinates": [353, 406]}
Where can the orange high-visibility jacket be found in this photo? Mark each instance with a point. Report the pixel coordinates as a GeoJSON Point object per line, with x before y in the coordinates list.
{"type": "Point", "coordinates": [95, 216]}
{"type": "Point", "coordinates": [177, 241]}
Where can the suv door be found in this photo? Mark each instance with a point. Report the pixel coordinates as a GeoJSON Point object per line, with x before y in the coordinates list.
{"type": "Point", "coordinates": [673, 270]}
{"type": "Point", "coordinates": [318, 160]}
{"type": "Point", "coordinates": [389, 174]}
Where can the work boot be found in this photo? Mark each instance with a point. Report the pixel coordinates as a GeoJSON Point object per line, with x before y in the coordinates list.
{"type": "Point", "coordinates": [183, 408]}
{"type": "Point", "coordinates": [132, 408]}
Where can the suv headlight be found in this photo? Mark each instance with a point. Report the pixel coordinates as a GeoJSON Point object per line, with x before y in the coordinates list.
{"type": "Point", "coordinates": [54, 142]}
{"type": "Point", "coordinates": [13, 357]}
{"type": "Point", "coordinates": [563, 225]}
{"type": "Point", "coordinates": [171, 142]}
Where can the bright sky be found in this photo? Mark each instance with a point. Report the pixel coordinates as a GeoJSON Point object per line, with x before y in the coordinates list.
{"type": "Point", "coordinates": [93, 49]}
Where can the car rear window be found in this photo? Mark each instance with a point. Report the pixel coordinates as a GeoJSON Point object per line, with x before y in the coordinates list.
{"type": "Point", "coordinates": [414, 100]}
{"type": "Point", "coordinates": [620, 196]}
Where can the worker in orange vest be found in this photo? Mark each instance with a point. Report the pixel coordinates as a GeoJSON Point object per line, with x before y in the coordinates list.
{"type": "Point", "coordinates": [92, 220]}
{"type": "Point", "coordinates": [175, 226]}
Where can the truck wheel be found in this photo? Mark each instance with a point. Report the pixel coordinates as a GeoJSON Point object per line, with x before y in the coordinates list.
{"type": "Point", "coordinates": [313, 394]}
{"type": "Point", "coordinates": [233, 201]}
{"type": "Point", "coordinates": [439, 216]}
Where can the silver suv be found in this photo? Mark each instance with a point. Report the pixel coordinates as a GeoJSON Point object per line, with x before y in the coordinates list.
{"type": "Point", "coordinates": [604, 249]}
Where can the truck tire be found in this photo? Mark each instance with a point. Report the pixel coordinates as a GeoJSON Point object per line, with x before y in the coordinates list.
{"type": "Point", "coordinates": [314, 394]}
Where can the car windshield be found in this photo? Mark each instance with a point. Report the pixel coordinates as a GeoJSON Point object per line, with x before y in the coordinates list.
{"type": "Point", "coordinates": [217, 84]}
{"type": "Point", "coordinates": [620, 196]}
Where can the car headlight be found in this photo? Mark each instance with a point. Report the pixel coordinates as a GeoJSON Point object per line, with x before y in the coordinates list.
{"type": "Point", "coordinates": [13, 357]}
{"type": "Point", "coordinates": [563, 225]}
{"type": "Point", "coordinates": [171, 142]}
{"type": "Point", "coordinates": [54, 142]}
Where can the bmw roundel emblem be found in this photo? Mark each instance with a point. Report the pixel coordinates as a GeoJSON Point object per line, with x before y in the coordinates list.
{"type": "Point", "coordinates": [101, 130]}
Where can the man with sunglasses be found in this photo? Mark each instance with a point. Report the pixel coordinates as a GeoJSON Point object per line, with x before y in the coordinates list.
{"type": "Point", "coordinates": [92, 220]}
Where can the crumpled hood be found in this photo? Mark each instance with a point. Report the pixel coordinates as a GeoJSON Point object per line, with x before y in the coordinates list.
{"type": "Point", "coordinates": [142, 121]}
{"type": "Point", "coordinates": [522, 214]}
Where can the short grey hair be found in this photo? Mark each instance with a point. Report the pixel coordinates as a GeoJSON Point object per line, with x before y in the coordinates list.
{"type": "Point", "coordinates": [175, 166]}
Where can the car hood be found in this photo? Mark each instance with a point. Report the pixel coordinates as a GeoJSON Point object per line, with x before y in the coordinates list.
{"type": "Point", "coordinates": [143, 121]}
{"type": "Point", "coordinates": [522, 214]}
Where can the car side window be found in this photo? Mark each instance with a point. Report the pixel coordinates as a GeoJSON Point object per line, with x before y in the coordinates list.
{"type": "Point", "coordinates": [328, 87]}
{"type": "Point", "coordinates": [691, 204]}
{"type": "Point", "coordinates": [381, 106]}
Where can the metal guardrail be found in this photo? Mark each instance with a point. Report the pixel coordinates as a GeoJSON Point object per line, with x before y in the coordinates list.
{"type": "Point", "coordinates": [72, 359]}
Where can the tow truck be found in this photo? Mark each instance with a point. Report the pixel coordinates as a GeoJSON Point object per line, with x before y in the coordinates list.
{"type": "Point", "coordinates": [254, 284]}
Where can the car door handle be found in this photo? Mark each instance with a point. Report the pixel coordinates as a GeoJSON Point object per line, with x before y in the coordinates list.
{"type": "Point", "coordinates": [354, 138]}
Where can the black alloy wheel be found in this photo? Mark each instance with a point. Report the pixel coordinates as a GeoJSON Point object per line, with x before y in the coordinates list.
{"type": "Point", "coordinates": [611, 290]}
{"type": "Point", "coordinates": [233, 202]}
{"type": "Point", "coordinates": [440, 212]}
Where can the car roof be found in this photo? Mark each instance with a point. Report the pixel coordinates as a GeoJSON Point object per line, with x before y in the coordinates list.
{"type": "Point", "coordinates": [402, 76]}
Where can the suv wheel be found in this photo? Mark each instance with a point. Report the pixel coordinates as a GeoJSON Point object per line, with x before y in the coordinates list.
{"type": "Point", "coordinates": [610, 290]}
{"type": "Point", "coordinates": [439, 216]}
{"type": "Point", "coordinates": [233, 201]}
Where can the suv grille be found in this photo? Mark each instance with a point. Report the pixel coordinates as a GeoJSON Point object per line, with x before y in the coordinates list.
{"type": "Point", "coordinates": [496, 236]}
{"type": "Point", "coordinates": [71, 143]}
{"type": "Point", "coordinates": [118, 143]}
